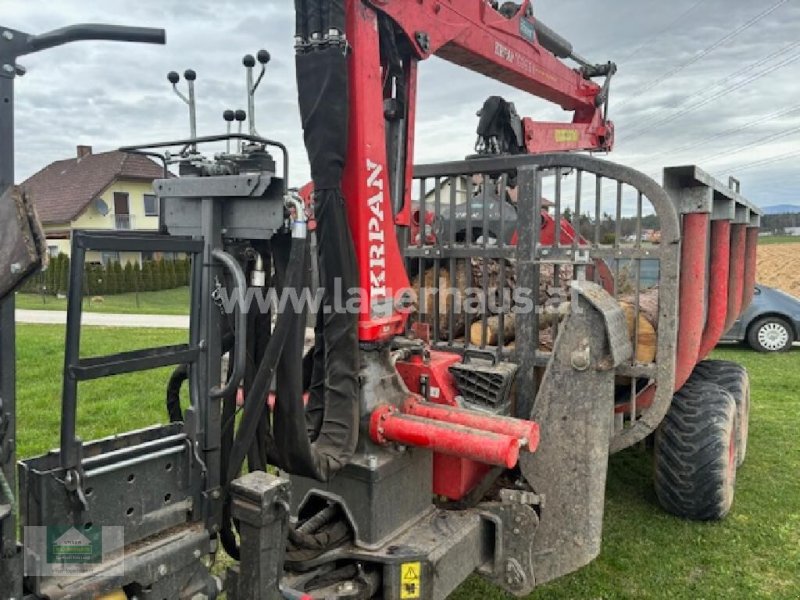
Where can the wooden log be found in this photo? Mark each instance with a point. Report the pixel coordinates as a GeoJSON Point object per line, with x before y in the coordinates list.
{"type": "Point", "coordinates": [646, 338]}
{"type": "Point", "coordinates": [493, 330]}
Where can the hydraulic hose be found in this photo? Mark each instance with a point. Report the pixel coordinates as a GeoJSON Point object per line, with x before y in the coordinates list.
{"type": "Point", "coordinates": [255, 400]}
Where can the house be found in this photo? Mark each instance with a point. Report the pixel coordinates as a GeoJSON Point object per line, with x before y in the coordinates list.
{"type": "Point", "coordinates": [108, 191]}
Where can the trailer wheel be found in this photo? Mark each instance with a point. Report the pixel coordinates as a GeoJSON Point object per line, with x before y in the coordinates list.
{"type": "Point", "coordinates": [695, 452]}
{"type": "Point", "coordinates": [770, 334]}
{"type": "Point", "coordinates": [734, 378]}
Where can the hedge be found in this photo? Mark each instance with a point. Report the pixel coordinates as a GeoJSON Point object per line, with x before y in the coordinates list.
{"type": "Point", "coordinates": [112, 278]}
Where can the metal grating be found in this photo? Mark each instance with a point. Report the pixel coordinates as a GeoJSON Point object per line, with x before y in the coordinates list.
{"type": "Point", "coordinates": [484, 246]}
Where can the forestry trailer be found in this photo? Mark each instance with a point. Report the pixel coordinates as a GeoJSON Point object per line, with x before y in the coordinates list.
{"type": "Point", "coordinates": [464, 388]}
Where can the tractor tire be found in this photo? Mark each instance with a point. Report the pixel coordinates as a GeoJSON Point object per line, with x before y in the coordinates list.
{"type": "Point", "coordinates": [695, 453]}
{"type": "Point", "coordinates": [734, 378]}
{"type": "Point", "coordinates": [770, 334]}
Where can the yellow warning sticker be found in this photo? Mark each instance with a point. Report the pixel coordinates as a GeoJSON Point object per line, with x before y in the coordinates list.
{"type": "Point", "coordinates": [410, 581]}
{"type": "Point", "coordinates": [566, 135]}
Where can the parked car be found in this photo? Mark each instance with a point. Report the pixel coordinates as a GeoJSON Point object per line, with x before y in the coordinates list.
{"type": "Point", "coordinates": [770, 324]}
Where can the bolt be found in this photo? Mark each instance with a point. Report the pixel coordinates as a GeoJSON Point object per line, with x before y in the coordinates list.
{"type": "Point", "coordinates": [8, 68]}
{"type": "Point", "coordinates": [197, 554]}
{"type": "Point", "coordinates": [162, 570]}
{"type": "Point", "coordinates": [16, 268]}
{"type": "Point", "coordinates": [215, 495]}
{"type": "Point", "coordinates": [372, 461]}
{"type": "Point", "coordinates": [7, 35]}
{"type": "Point", "coordinates": [516, 531]}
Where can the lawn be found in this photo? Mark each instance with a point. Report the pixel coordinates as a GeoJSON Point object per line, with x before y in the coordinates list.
{"type": "Point", "coordinates": [754, 553]}
{"type": "Point", "coordinates": [765, 240]}
{"type": "Point", "coordinates": [165, 302]}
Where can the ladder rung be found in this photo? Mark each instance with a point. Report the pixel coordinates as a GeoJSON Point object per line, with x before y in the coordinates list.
{"type": "Point", "coordinates": [131, 362]}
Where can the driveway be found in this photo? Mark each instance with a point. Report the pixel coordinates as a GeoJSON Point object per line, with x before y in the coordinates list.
{"type": "Point", "coordinates": [59, 317]}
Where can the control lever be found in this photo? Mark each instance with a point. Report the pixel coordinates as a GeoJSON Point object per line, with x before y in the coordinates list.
{"type": "Point", "coordinates": [190, 77]}
{"type": "Point", "coordinates": [249, 63]}
{"type": "Point", "coordinates": [240, 117]}
{"type": "Point", "coordinates": [229, 116]}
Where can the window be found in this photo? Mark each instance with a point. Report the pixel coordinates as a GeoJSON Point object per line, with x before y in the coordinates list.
{"type": "Point", "coordinates": [150, 205]}
{"type": "Point", "coordinates": [52, 251]}
{"type": "Point", "coordinates": [122, 214]}
{"type": "Point", "coordinates": [108, 257]}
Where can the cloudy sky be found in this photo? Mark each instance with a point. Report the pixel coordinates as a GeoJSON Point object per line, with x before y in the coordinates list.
{"type": "Point", "coordinates": [710, 82]}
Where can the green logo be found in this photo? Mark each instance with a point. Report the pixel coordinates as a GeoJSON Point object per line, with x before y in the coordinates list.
{"type": "Point", "coordinates": [67, 545]}
{"type": "Point", "coordinates": [527, 30]}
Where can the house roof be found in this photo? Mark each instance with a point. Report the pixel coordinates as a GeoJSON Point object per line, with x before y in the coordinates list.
{"type": "Point", "coordinates": [62, 190]}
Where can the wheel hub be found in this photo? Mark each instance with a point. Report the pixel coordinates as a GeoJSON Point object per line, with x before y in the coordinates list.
{"type": "Point", "coordinates": [773, 336]}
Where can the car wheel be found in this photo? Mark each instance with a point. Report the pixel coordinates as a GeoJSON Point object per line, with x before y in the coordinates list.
{"type": "Point", "coordinates": [770, 334]}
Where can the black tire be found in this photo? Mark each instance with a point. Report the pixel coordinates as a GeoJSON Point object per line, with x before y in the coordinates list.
{"type": "Point", "coordinates": [734, 378]}
{"type": "Point", "coordinates": [770, 334]}
{"type": "Point", "coordinates": [695, 453]}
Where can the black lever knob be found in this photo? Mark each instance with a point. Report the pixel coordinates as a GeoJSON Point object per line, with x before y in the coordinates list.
{"type": "Point", "coordinates": [249, 61]}
{"type": "Point", "coordinates": [190, 75]}
{"type": "Point", "coordinates": [173, 77]}
{"type": "Point", "coordinates": [263, 57]}
{"type": "Point", "coordinates": [240, 115]}
{"type": "Point", "coordinates": [229, 115]}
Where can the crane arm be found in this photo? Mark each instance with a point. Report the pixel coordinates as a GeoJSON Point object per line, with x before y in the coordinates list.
{"type": "Point", "coordinates": [515, 49]}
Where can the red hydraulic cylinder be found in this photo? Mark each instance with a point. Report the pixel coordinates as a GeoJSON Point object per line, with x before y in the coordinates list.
{"type": "Point", "coordinates": [736, 285]}
{"type": "Point", "coordinates": [515, 428]}
{"type": "Point", "coordinates": [750, 252]}
{"type": "Point", "coordinates": [389, 425]}
{"type": "Point", "coordinates": [717, 286]}
{"type": "Point", "coordinates": [692, 294]}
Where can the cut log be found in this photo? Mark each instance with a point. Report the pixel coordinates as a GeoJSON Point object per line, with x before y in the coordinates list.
{"type": "Point", "coordinates": [493, 330]}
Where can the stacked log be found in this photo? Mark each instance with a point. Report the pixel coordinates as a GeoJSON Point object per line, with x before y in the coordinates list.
{"type": "Point", "coordinates": [442, 298]}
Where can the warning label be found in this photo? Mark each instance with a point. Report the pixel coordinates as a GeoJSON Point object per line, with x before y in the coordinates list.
{"type": "Point", "coordinates": [410, 577]}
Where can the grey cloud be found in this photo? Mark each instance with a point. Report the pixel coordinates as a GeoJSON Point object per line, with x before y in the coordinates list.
{"type": "Point", "coordinates": [107, 95]}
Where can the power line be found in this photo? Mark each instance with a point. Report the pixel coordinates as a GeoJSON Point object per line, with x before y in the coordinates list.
{"type": "Point", "coordinates": [725, 90]}
{"type": "Point", "coordinates": [708, 50]}
{"type": "Point", "coordinates": [650, 39]}
{"type": "Point", "coordinates": [764, 162]}
{"type": "Point", "coordinates": [763, 119]}
{"type": "Point", "coordinates": [759, 142]}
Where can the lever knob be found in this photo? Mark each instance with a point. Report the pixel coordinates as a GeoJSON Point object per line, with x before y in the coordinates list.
{"type": "Point", "coordinates": [229, 115]}
{"type": "Point", "coordinates": [173, 77]}
{"type": "Point", "coordinates": [240, 115]}
{"type": "Point", "coordinates": [263, 57]}
{"type": "Point", "coordinates": [190, 75]}
{"type": "Point", "coordinates": [249, 61]}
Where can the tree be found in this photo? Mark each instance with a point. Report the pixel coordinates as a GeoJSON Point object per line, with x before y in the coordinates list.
{"type": "Point", "coordinates": [138, 284]}
{"type": "Point", "coordinates": [128, 275]}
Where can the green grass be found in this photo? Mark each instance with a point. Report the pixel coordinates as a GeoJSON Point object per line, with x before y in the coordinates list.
{"type": "Point", "coordinates": [754, 553]}
{"type": "Point", "coordinates": [778, 239]}
{"type": "Point", "coordinates": [105, 406]}
{"type": "Point", "coordinates": [165, 302]}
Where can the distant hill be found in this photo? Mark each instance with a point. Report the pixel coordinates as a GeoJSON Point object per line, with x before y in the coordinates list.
{"type": "Point", "coordinates": [779, 209]}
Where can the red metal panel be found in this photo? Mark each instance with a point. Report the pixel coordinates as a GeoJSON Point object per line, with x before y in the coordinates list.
{"type": "Point", "coordinates": [736, 281]}
{"type": "Point", "coordinates": [366, 184]}
{"type": "Point", "coordinates": [441, 385]}
{"type": "Point", "coordinates": [750, 252]}
{"type": "Point", "coordinates": [388, 425]}
{"type": "Point", "coordinates": [718, 286]}
{"type": "Point", "coordinates": [692, 294]}
{"type": "Point", "coordinates": [455, 477]}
